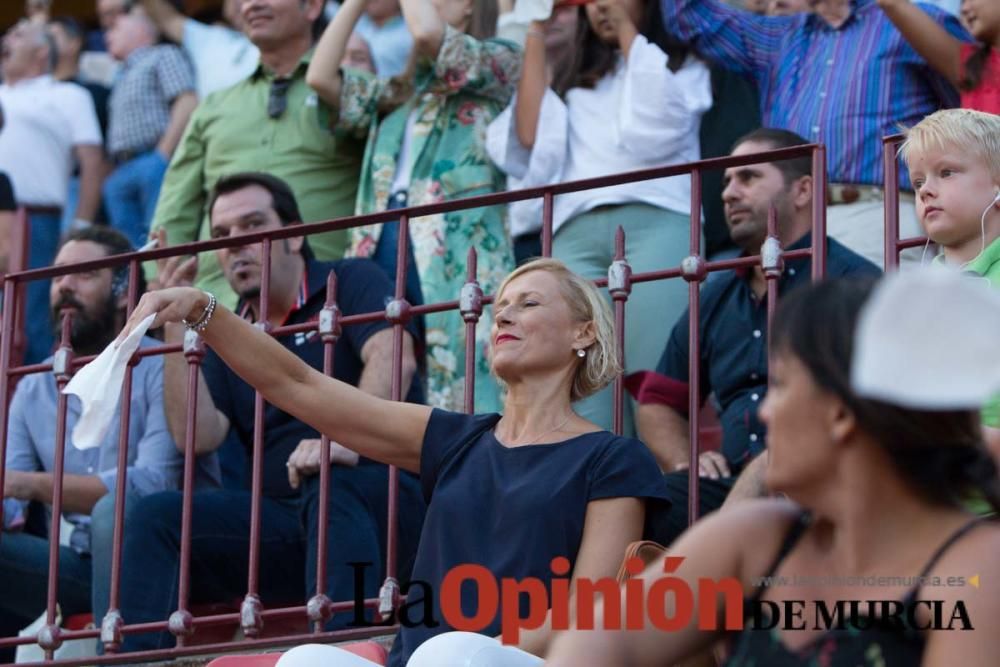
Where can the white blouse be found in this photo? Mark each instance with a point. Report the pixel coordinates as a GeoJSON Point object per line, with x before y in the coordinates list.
{"type": "Point", "coordinates": [640, 115]}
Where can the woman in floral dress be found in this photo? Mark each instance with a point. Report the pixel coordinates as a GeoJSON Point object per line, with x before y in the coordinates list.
{"type": "Point", "coordinates": [426, 143]}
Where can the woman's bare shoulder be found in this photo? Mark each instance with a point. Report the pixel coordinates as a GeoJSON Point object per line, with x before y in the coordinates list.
{"type": "Point", "coordinates": [742, 539]}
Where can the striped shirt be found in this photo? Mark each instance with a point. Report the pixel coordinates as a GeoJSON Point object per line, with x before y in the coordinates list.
{"type": "Point", "coordinates": [844, 87]}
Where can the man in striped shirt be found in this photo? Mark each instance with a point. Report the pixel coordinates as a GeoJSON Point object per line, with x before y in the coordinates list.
{"type": "Point", "coordinates": [842, 76]}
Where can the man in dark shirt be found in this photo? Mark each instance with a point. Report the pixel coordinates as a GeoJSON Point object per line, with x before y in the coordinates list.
{"type": "Point", "coordinates": [356, 524]}
{"type": "Point", "coordinates": [733, 332]}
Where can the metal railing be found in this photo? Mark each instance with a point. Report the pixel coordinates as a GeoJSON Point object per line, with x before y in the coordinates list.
{"type": "Point", "coordinates": [469, 304]}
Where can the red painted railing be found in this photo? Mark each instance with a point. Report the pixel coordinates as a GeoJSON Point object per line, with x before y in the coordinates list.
{"type": "Point", "coordinates": [183, 624]}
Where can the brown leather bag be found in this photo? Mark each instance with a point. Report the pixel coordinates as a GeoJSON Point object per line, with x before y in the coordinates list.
{"type": "Point", "coordinates": [647, 551]}
{"type": "Point", "coordinates": [650, 552]}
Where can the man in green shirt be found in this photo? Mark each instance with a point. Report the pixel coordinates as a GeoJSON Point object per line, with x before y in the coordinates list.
{"type": "Point", "coordinates": [269, 122]}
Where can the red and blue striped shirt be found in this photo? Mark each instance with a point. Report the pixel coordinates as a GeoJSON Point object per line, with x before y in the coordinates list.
{"type": "Point", "coordinates": [844, 87]}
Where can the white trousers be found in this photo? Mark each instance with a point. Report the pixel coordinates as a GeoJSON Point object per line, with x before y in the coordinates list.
{"type": "Point", "coordinates": [861, 227]}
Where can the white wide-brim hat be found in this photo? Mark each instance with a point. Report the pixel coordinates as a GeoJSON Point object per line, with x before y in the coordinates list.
{"type": "Point", "coordinates": [929, 339]}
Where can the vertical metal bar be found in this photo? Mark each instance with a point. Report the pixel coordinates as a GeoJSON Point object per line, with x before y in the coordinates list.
{"type": "Point", "coordinates": [398, 313]}
{"type": "Point", "coordinates": [112, 622]}
{"type": "Point", "coordinates": [49, 635]}
{"type": "Point", "coordinates": [547, 224]}
{"type": "Point", "coordinates": [619, 285]}
{"type": "Point", "coordinates": [250, 611]}
{"type": "Point", "coordinates": [891, 167]}
{"type": "Point", "coordinates": [770, 263]}
{"type": "Point", "coordinates": [319, 606]}
{"type": "Point", "coordinates": [181, 621]}
{"type": "Point", "coordinates": [694, 274]}
{"type": "Point", "coordinates": [399, 320]}
{"type": "Point", "coordinates": [819, 213]}
{"type": "Point", "coordinates": [471, 307]}
{"type": "Point", "coordinates": [6, 345]}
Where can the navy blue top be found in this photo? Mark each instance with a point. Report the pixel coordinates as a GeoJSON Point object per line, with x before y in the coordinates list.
{"type": "Point", "coordinates": [362, 287]}
{"type": "Point", "coordinates": [510, 509]}
{"type": "Point", "coordinates": [733, 335]}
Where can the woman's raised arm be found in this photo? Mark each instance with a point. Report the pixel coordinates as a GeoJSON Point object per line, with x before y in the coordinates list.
{"type": "Point", "coordinates": [386, 431]}
{"type": "Point", "coordinates": [938, 47]}
{"type": "Point", "coordinates": [323, 74]}
{"type": "Point", "coordinates": [737, 546]}
{"type": "Point", "coordinates": [425, 24]}
{"type": "Point", "coordinates": [531, 87]}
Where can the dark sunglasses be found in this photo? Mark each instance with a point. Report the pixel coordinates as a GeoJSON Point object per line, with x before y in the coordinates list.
{"type": "Point", "coordinates": [277, 99]}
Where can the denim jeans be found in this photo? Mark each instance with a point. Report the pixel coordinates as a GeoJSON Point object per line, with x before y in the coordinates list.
{"type": "Point", "coordinates": [356, 526]}
{"type": "Point", "coordinates": [220, 543]}
{"type": "Point", "coordinates": [130, 195]}
{"type": "Point", "coordinates": [385, 257]}
{"type": "Point", "coordinates": [69, 211]}
{"type": "Point", "coordinates": [37, 318]}
{"type": "Point", "coordinates": [102, 530]}
{"type": "Point", "coordinates": [24, 580]}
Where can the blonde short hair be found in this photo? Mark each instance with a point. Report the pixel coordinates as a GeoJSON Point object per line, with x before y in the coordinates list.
{"type": "Point", "coordinates": [971, 132]}
{"type": "Point", "coordinates": [586, 303]}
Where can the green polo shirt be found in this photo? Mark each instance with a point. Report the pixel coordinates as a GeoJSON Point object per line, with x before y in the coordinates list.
{"type": "Point", "coordinates": [231, 132]}
{"type": "Point", "coordinates": [987, 264]}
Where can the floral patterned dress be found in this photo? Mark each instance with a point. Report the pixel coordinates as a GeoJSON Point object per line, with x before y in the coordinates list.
{"type": "Point", "coordinates": [457, 95]}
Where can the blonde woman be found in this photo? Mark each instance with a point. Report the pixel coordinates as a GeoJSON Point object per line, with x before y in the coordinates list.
{"type": "Point", "coordinates": [507, 492]}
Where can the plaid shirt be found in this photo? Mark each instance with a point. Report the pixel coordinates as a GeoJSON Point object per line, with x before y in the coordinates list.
{"type": "Point", "coordinates": [845, 87]}
{"type": "Point", "coordinates": [150, 80]}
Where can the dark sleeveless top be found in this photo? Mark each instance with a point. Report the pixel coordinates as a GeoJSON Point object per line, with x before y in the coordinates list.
{"type": "Point", "coordinates": [869, 643]}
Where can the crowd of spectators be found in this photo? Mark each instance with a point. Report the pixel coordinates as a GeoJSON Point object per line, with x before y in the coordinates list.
{"type": "Point", "coordinates": [161, 128]}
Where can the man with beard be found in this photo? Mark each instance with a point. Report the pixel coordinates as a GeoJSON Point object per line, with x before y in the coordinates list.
{"type": "Point", "coordinates": [732, 332]}
{"type": "Point", "coordinates": [96, 301]}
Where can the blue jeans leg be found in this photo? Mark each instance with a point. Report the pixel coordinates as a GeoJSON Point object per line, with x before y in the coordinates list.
{"type": "Point", "coordinates": [24, 577]}
{"type": "Point", "coordinates": [69, 211]}
{"type": "Point", "coordinates": [220, 544]}
{"type": "Point", "coordinates": [356, 530]}
{"type": "Point", "coordinates": [385, 257]}
{"type": "Point", "coordinates": [131, 192]}
{"type": "Point", "coordinates": [38, 320]}
{"type": "Point", "coordinates": [102, 527]}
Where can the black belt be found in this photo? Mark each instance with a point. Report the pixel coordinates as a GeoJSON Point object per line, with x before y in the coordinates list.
{"type": "Point", "coordinates": [121, 157]}
{"type": "Point", "coordinates": [43, 210]}
{"type": "Point", "coordinates": [397, 200]}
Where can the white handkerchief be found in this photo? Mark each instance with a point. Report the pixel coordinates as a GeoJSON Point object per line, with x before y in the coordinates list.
{"type": "Point", "coordinates": [514, 25]}
{"type": "Point", "coordinates": [928, 339]}
{"type": "Point", "coordinates": [99, 385]}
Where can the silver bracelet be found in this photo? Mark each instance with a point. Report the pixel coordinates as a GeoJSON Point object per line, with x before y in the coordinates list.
{"type": "Point", "coordinates": [201, 323]}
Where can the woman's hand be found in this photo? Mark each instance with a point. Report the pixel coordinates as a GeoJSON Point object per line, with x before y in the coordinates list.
{"type": "Point", "coordinates": [617, 14]}
{"type": "Point", "coordinates": [305, 461]}
{"type": "Point", "coordinates": [169, 305]}
{"type": "Point", "coordinates": [323, 74]}
{"type": "Point", "coordinates": [179, 271]}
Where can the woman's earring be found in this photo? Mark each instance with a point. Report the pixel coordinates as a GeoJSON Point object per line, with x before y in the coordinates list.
{"type": "Point", "coordinates": [581, 353]}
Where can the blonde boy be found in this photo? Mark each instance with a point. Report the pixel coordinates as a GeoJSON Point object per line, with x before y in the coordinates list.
{"type": "Point", "coordinates": [954, 161]}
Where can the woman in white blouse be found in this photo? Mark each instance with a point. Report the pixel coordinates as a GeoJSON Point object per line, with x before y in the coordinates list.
{"type": "Point", "coordinates": [632, 100]}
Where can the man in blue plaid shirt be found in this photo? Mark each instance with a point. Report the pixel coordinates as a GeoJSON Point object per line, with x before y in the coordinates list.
{"type": "Point", "coordinates": [150, 104]}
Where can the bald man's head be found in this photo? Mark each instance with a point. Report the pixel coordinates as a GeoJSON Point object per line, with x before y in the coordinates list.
{"type": "Point", "coordinates": [27, 51]}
